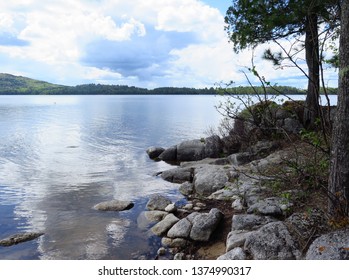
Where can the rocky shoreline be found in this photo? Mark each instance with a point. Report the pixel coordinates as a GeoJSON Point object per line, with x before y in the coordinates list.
{"type": "Point", "coordinates": [264, 226]}
{"type": "Point", "coordinates": [236, 209]}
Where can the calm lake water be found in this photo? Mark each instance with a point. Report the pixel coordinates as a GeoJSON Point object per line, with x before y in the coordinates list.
{"type": "Point", "coordinates": [60, 155]}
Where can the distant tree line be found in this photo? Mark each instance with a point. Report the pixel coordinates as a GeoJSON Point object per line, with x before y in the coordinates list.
{"type": "Point", "coordinates": [16, 85]}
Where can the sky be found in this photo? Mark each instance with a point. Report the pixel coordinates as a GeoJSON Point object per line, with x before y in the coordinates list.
{"type": "Point", "coordinates": [152, 43]}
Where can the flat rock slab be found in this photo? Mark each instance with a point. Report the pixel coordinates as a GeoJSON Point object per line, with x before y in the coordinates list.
{"type": "Point", "coordinates": [19, 238]}
{"type": "Point", "coordinates": [250, 221]}
{"type": "Point", "coordinates": [114, 205]}
{"type": "Point", "coordinates": [270, 206]}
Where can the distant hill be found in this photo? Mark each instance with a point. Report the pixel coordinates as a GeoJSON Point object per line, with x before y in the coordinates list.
{"type": "Point", "coordinates": [10, 84]}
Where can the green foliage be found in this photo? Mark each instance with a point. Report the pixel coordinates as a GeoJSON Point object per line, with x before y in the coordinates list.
{"type": "Point", "coordinates": [254, 22]}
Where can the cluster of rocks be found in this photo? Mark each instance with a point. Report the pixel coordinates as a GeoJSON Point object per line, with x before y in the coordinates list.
{"type": "Point", "coordinates": [178, 226]}
{"type": "Point", "coordinates": [263, 227]}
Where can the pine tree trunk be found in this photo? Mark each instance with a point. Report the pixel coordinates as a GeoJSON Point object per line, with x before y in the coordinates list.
{"type": "Point", "coordinates": [339, 168]}
{"type": "Point", "coordinates": [312, 108]}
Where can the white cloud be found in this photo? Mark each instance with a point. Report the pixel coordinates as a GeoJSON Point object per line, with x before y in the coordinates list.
{"type": "Point", "coordinates": [142, 43]}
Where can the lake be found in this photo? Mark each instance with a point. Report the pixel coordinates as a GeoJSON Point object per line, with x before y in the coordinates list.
{"type": "Point", "coordinates": [61, 155]}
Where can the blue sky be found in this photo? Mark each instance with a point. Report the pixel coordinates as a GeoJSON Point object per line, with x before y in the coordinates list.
{"type": "Point", "coordinates": [141, 43]}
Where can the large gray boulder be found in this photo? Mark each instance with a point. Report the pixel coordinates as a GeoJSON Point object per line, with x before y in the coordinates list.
{"type": "Point", "coordinates": [209, 179]}
{"type": "Point", "coordinates": [158, 202]}
{"type": "Point", "coordinates": [213, 147]}
{"type": "Point", "coordinates": [169, 155]}
{"type": "Point", "coordinates": [205, 224]}
{"type": "Point", "coordinates": [272, 242]}
{"type": "Point", "coordinates": [194, 150]}
{"type": "Point", "coordinates": [331, 246]}
{"type": "Point", "coordinates": [114, 205]}
{"type": "Point", "coordinates": [178, 175]}
{"type": "Point", "coordinates": [191, 150]}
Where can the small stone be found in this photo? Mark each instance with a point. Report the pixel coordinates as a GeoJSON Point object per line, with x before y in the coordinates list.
{"type": "Point", "coordinates": [174, 243]}
{"type": "Point", "coordinates": [237, 205]}
{"type": "Point", "coordinates": [179, 256]}
{"type": "Point", "coordinates": [188, 206]}
{"type": "Point", "coordinates": [171, 208]}
{"type": "Point", "coordinates": [161, 251]}
{"type": "Point", "coordinates": [200, 205]}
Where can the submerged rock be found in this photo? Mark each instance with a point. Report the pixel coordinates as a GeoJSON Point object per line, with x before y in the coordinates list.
{"type": "Point", "coordinates": [114, 205]}
{"type": "Point", "coordinates": [158, 202]}
{"type": "Point", "coordinates": [19, 238]}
